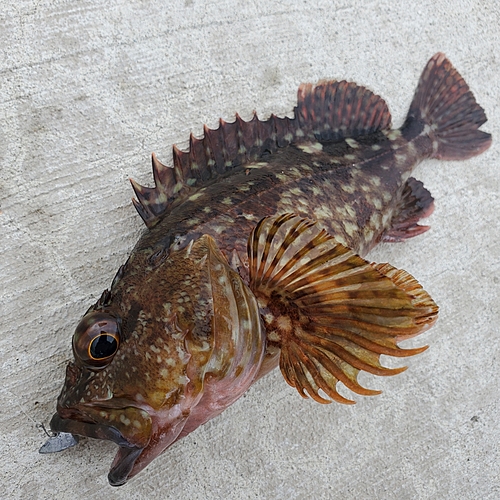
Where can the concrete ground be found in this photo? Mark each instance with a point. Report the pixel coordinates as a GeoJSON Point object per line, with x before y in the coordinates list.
{"type": "Point", "coordinates": [89, 89]}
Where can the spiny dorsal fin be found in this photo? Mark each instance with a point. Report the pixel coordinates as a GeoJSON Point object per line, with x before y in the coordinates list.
{"type": "Point", "coordinates": [220, 150]}
{"type": "Point", "coordinates": [331, 312]}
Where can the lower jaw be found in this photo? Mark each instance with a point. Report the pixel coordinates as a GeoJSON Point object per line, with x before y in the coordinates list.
{"type": "Point", "coordinates": [126, 456]}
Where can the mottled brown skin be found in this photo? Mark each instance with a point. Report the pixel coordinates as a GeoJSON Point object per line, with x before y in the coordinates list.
{"type": "Point", "coordinates": [191, 340]}
{"type": "Point", "coordinates": [352, 191]}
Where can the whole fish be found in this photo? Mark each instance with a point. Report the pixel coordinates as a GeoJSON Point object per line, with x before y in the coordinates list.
{"type": "Point", "coordinates": [253, 258]}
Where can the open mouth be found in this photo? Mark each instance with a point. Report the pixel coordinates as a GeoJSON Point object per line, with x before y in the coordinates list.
{"type": "Point", "coordinates": [127, 453]}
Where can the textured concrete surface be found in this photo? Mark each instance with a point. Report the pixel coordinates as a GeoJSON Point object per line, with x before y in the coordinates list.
{"type": "Point", "coordinates": [88, 89]}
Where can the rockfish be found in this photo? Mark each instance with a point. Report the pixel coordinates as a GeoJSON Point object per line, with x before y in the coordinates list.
{"type": "Point", "coordinates": [253, 258]}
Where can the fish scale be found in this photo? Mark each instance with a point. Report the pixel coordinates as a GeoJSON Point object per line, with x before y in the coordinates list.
{"type": "Point", "coordinates": [253, 259]}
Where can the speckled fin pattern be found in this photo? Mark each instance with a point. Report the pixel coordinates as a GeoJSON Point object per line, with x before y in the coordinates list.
{"type": "Point", "coordinates": [331, 312]}
{"type": "Point", "coordinates": [328, 111]}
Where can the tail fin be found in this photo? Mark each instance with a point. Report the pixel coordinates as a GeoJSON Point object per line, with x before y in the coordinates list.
{"type": "Point", "coordinates": [444, 103]}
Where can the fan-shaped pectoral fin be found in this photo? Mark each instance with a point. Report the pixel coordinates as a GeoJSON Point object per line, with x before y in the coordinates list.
{"type": "Point", "coordinates": [331, 312]}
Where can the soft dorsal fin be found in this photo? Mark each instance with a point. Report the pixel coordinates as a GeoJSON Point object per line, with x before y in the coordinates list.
{"type": "Point", "coordinates": [331, 111]}
{"type": "Point", "coordinates": [328, 111]}
{"type": "Point", "coordinates": [331, 312]}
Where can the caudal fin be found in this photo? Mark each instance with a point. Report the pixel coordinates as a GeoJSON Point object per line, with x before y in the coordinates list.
{"type": "Point", "coordinates": [444, 103]}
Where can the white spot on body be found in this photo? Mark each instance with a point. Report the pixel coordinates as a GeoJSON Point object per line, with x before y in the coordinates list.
{"type": "Point", "coordinates": [341, 240]}
{"type": "Point", "coordinates": [350, 210]}
{"type": "Point", "coordinates": [250, 217]}
{"type": "Point", "coordinates": [412, 149]}
{"type": "Point", "coordinates": [375, 219]}
{"type": "Point", "coordinates": [195, 196]}
{"type": "Point", "coordinates": [400, 158]}
{"type": "Point", "coordinates": [323, 212]}
{"type": "Point", "coordinates": [352, 143]}
{"type": "Point", "coordinates": [348, 188]}
{"type": "Point", "coordinates": [311, 148]}
{"type": "Point", "coordinates": [350, 228]}
{"type": "Point", "coordinates": [394, 134]}
{"type": "Point", "coordinates": [386, 218]}
{"type": "Point", "coordinates": [368, 233]}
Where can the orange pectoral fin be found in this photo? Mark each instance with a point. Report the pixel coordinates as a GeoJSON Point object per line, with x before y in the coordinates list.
{"type": "Point", "coordinates": [331, 312]}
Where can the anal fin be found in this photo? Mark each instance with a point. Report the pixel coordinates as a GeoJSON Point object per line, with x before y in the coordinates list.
{"type": "Point", "coordinates": [331, 313]}
{"type": "Point", "coordinates": [416, 203]}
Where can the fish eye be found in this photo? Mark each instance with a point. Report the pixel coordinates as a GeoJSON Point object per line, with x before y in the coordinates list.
{"type": "Point", "coordinates": [103, 346]}
{"type": "Point", "coordinates": [96, 340]}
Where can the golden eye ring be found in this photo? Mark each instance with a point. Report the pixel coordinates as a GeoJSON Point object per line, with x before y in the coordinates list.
{"type": "Point", "coordinates": [103, 346]}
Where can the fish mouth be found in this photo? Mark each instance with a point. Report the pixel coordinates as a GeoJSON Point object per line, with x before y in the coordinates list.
{"type": "Point", "coordinates": [126, 456]}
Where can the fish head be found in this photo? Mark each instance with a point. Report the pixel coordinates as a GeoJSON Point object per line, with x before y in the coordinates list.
{"type": "Point", "coordinates": [144, 355]}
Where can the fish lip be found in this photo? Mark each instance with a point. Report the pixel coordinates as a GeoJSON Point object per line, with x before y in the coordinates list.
{"type": "Point", "coordinates": [126, 456]}
{"type": "Point", "coordinates": [88, 429]}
